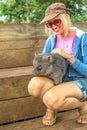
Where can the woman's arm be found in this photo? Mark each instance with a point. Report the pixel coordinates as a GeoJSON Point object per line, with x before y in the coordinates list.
{"type": "Point", "coordinates": [78, 65]}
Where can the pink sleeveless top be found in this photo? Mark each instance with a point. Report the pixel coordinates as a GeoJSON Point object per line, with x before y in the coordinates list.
{"type": "Point", "coordinates": [65, 44]}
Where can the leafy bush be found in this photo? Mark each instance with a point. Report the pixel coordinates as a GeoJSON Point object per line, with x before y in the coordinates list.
{"type": "Point", "coordinates": [32, 11]}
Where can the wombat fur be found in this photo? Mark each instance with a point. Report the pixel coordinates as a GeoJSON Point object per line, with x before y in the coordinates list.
{"type": "Point", "coordinates": [50, 65]}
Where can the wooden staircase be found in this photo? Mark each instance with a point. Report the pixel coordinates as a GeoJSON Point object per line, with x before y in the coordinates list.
{"type": "Point", "coordinates": [15, 102]}
{"type": "Point", "coordinates": [18, 43]}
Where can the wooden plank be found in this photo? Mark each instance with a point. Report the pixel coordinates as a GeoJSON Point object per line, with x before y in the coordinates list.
{"type": "Point", "coordinates": [63, 125]}
{"type": "Point", "coordinates": [19, 109]}
{"type": "Point", "coordinates": [17, 58]}
{"type": "Point", "coordinates": [18, 53]}
{"type": "Point", "coordinates": [67, 122]}
{"type": "Point", "coordinates": [22, 44]}
{"type": "Point", "coordinates": [14, 58]}
{"type": "Point", "coordinates": [15, 72]}
{"type": "Point", "coordinates": [84, 127]}
{"type": "Point", "coordinates": [11, 88]}
{"type": "Point", "coordinates": [81, 25]}
{"type": "Point", "coordinates": [9, 32]}
{"type": "Point", "coordinates": [14, 82]}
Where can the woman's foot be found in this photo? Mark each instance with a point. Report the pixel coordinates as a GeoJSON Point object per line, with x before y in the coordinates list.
{"type": "Point", "coordinates": [83, 114]}
{"type": "Point", "coordinates": [50, 118]}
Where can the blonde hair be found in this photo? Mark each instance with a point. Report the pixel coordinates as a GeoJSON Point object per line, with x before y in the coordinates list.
{"type": "Point", "coordinates": [65, 18]}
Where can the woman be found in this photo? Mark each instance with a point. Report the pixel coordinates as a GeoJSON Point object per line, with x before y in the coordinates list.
{"type": "Point", "coordinates": [71, 43]}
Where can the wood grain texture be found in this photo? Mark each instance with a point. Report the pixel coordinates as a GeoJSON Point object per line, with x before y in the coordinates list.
{"type": "Point", "coordinates": [65, 121]}
{"type": "Point", "coordinates": [14, 82]}
{"type": "Point", "coordinates": [18, 44]}
{"type": "Point", "coordinates": [20, 108]}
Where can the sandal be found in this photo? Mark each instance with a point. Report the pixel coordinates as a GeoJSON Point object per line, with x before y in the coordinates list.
{"type": "Point", "coordinates": [83, 117]}
{"type": "Point", "coordinates": [48, 121]}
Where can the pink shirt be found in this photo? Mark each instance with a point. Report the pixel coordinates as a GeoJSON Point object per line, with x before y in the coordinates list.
{"type": "Point", "coordinates": [65, 43]}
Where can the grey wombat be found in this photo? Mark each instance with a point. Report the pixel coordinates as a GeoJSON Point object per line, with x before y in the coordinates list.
{"type": "Point", "coordinates": [50, 65]}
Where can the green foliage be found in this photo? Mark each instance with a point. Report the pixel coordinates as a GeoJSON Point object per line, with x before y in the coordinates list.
{"type": "Point", "coordinates": [15, 11]}
{"type": "Point", "coordinates": [32, 11]}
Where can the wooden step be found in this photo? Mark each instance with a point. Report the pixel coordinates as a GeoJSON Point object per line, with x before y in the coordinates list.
{"type": "Point", "coordinates": [20, 109]}
{"type": "Point", "coordinates": [15, 72]}
{"type": "Point", "coordinates": [15, 101]}
{"type": "Point", "coordinates": [65, 121]}
{"type": "Point", "coordinates": [19, 42]}
{"type": "Point", "coordinates": [14, 82]}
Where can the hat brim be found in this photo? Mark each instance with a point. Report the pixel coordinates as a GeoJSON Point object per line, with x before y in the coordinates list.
{"type": "Point", "coordinates": [49, 17]}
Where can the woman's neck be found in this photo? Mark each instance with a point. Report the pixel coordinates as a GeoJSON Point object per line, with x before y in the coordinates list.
{"type": "Point", "coordinates": [71, 32]}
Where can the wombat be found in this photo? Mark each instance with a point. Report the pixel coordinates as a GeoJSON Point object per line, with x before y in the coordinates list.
{"type": "Point", "coordinates": [50, 65]}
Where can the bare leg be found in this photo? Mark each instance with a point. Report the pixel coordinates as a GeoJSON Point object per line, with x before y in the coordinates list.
{"type": "Point", "coordinates": [37, 87]}
{"type": "Point", "coordinates": [82, 108]}
{"type": "Point", "coordinates": [70, 103]}
{"type": "Point", "coordinates": [65, 96]}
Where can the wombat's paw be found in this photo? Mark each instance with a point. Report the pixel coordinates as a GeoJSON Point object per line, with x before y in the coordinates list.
{"type": "Point", "coordinates": [57, 81]}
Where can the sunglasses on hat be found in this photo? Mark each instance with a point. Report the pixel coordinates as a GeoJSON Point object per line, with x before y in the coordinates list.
{"type": "Point", "coordinates": [56, 22]}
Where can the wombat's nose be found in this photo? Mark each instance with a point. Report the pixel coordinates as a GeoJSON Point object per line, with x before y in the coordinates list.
{"type": "Point", "coordinates": [39, 68]}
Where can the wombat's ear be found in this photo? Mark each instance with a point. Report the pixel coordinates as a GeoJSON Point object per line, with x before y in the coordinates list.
{"type": "Point", "coordinates": [50, 58]}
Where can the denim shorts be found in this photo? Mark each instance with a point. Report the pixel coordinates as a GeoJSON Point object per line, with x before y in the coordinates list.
{"type": "Point", "coordinates": [81, 83]}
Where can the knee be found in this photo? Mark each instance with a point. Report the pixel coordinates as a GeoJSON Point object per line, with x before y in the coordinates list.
{"type": "Point", "coordinates": [51, 102]}
{"type": "Point", "coordinates": [33, 87]}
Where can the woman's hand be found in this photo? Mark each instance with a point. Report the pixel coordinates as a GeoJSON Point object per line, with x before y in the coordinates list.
{"type": "Point", "coordinates": [61, 52]}
{"type": "Point", "coordinates": [67, 56]}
